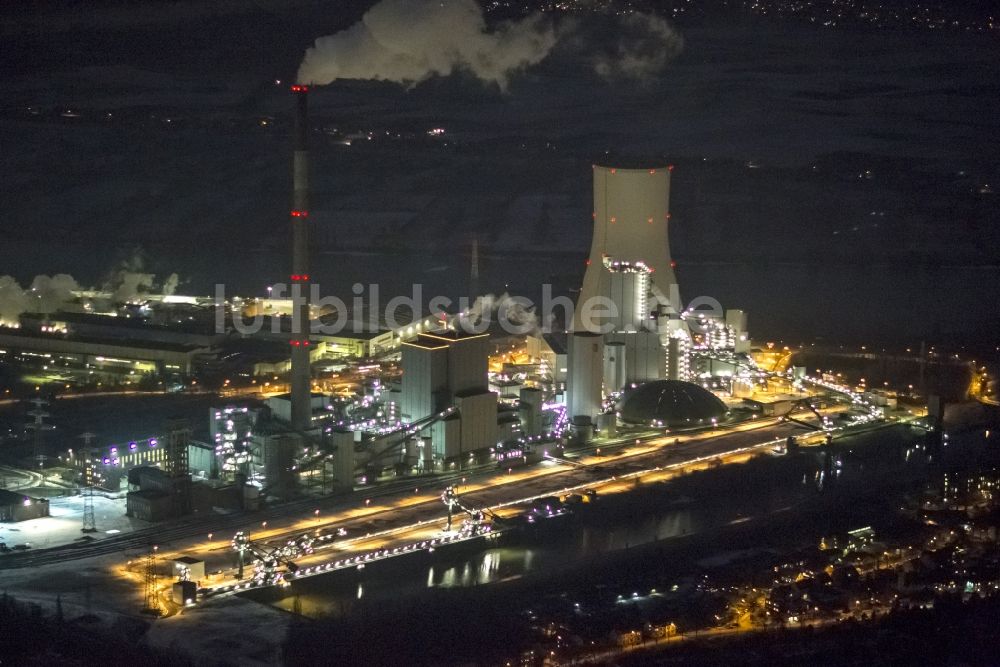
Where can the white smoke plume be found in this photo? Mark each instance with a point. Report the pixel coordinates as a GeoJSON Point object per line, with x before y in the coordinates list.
{"type": "Point", "coordinates": [130, 286]}
{"type": "Point", "coordinates": [12, 301]}
{"type": "Point", "coordinates": [47, 295]}
{"type": "Point", "coordinates": [170, 284]}
{"type": "Point", "coordinates": [409, 41]}
{"type": "Point", "coordinates": [646, 44]}
{"type": "Point", "coordinates": [50, 294]}
{"type": "Point", "coordinates": [498, 309]}
{"type": "Point", "coordinates": [128, 281]}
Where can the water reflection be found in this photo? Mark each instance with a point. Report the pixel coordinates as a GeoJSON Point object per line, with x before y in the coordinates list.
{"type": "Point", "coordinates": [483, 568]}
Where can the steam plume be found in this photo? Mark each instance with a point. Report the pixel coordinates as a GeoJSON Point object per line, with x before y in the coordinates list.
{"type": "Point", "coordinates": [170, 284]}
{"type": "Point", "coordinates": [646, 44]}
{"type": "Point", "coordinates": [49, 294]}
{"type": "Point", "coordinates": [495, 307]}
{"type": "Point", "coordinates": [46, 295]}
{"type": "Point", "coordinates": [12, 301]}
{"type": "Point", "coordinates": [128, 280]}
{"type": "Point", "coordinates": [129, 286]}
{"type": "Point", "coordinates": [409, 41]}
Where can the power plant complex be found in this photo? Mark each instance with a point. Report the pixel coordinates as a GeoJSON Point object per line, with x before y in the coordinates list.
{"type": "Point", "coordinates": [418, 408]}
{"type": "Point", "coordinates": [629, 328]}
{"type": "Point", "coordinates": [439, 392]}
{"type": "Point", "coordinates": [386, 423]}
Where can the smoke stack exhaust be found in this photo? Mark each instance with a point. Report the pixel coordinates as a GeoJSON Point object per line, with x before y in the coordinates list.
{"type": "Point", "coordinates": [301, 393]}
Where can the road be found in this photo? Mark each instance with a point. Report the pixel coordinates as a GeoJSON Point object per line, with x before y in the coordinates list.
{"type": "Point", "coordinates": [416, 523]}
{"type": "Point", "coordinates": [395, 506]}
{"type": "Point", "coordinates": [612, 654]}
{"type": "Point", "coordinates": [19, 478]}
{"type": "Point", "coordinates": [400, 520]}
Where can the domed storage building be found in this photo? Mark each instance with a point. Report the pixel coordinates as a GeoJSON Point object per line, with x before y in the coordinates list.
{"type": "Point", "coordinates": [671, 403]}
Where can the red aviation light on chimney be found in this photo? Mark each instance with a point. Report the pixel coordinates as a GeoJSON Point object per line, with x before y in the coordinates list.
{"type": "Point", "coordinates": [673, 264]}
{"type": "Point", "coordinates": [296, 278]}
{"type": "Point", "coordinates": [670, 167]}
{"type": "Point", "coordinates": [296, 88]}
{"type": "Point", "coordinates": [294, 343]}
{"type": "Point", "coordinates": [652, 171]}
{"type": "Point", "coordinates": [300, 214]}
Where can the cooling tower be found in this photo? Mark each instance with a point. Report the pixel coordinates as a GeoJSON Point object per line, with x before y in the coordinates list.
{"type": "Point", "coordinates": [630, 252]}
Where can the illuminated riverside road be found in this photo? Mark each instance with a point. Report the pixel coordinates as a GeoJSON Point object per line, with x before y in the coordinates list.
{"type": "Point", "coordinates": [378, 532]}
{"type": "Point", "coordinates": [290, 519]}
{"type": "Point", "coordinates": [388, 514]}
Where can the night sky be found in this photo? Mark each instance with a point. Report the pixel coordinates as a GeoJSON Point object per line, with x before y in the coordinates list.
{"type": "Point", "coordinates": [833, 181]}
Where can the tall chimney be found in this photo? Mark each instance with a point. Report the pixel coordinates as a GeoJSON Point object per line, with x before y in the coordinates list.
{"type": "Point", "coordinates": [474, 272]}
{"type": "Point", "coordinates": [300, 344]}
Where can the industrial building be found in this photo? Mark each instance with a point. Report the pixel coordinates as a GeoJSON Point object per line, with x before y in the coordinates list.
{"type": "Point", "coordinates": [108, 466]}
{"type": "Point", "coordinates": [551, 349]}
{"type": "Point", "coordinates": [530, 411]}
{"type": "Point", "coordinates": [629, 267]}
{"type": "Point", "coordinates": [231, 431]}
{"type": "Point", "coordinates": [319, 408]}
{"type": "Point", "coordinates": [275, 450]}
{"type": "Point", "coordinates": [19, 507]}
{"type": "Point", "coordinates": [439, 365]}
{"type": "Point", "coordinates": [116, 354]}
{"type": "Point", "coordinates": [160, 493]}
{"type": "Point", "coordinates": [360, 336]}
{"type": "Point", "coordinates": [150, 498]}
{"type": "Point", "coordinates": [646, 336]}
{"type": "Point", "coordinates": [585, 379]}
{"type": "Point", "coordinates": [671, 403]}
{"type": "Point", "coordinates": [449, 370]}
{"type": "Point", "coordinates": [162, 325]}
{"type": "Point", "coordinates": [344, 458]}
